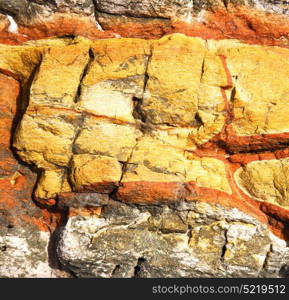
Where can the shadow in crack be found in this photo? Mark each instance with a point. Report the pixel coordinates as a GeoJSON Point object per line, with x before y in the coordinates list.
{"type": "Point", "coordinates": [53, 259]}
{"type": "Point", "coordinates": [55, 235]}
{"type": "Point", "coordinates": [284, 271]}
{"type": "Point", "coordinates": [22, 103]}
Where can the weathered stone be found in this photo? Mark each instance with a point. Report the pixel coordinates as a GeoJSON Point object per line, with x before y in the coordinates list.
{"type": "Point", "coordinates": [182, 9]}
{"type": "Point", "coordinates": [260, 97]}
{"type": "Point", "coordinates": [23, 254]}
{"type": "Point", "coordinates": [24, 10]}
{"type": "Point", "coordinates": [141, 243]}
{"type": "Point", "coordinates": [95, 172]}
{"type": "Point", "coordinates": [154, 162]}
{"type": "Point", "coordinates": [244, 247]}
{"type": "Point", "coordinates": [9, 89]}
{"type": "Point", "coordinates": [257, 21]}
{"type": "Point", "coordinates": [122, 137]}
{"type": "Point", "coordinates": [98, 100]}
{"type": "Point", "coordinates": [147, 8]}
{"type": "Point", "coordinates": [190, 133]}
{"type": "Point", "coordinates": [57, 62]}
{"type": "Point", "coordinates": [114, 78]}
{"type": "Point", "coordinates": [49, 184]}
{"type": "Point", "coordinates": [45, 141]}
{"type": "Point", "coordinates": [79, 200]}
{"type": "Point", "coordinates": [172, 92]}
{"type": "Point", "coordinates": [266, 180]}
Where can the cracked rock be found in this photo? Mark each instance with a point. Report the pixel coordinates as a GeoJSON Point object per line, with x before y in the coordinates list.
{"type": "Point", "coordinates": [163, 245]}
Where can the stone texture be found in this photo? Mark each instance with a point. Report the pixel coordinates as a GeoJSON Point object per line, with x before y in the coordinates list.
{"type": "Point", "coordinates": [147, 8]}
{"type": "Point", "coordinates": [24, 10]}
{"type": "Point", "coordinates": [190, 240]}
{"type": "Point", "coordinates": [23, 254]}
{"type": "Point", "coordinates": [256, 21]}
{"type": "Point", "coordinates": [266, 180]}
{"type": "Point", "coordinates": [122, 137]}
{"type": "Point", "coordinates": [157, 163]}
{"type": "Point", "coordinates": [183, 8]}
{"type": "Point", "coordinates": [64, 119]}
{"type": "Point", "coordinates": [156, 122]}
{"type": "Point", "coordinates": [89, 170]}
{"type": "Point", "coordinates": [259, 106]}
{"type": "Point", "coordinates": [55, 63]}
{"type": "Point", "coordinates": [155, 155]}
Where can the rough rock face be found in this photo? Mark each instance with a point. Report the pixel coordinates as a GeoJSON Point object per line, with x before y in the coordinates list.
{"type": "Point", "coordinates": [254, 21]}
{"type": "Point", "coordinates": [164, 154]}
{"type": "Point", "coordinates": [24, 227]}
{"type": "Point", "coordinates": [187, 240]}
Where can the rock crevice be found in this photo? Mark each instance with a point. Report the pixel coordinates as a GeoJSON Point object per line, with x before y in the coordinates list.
{"type": "Point", "coordinates": [152, 145]}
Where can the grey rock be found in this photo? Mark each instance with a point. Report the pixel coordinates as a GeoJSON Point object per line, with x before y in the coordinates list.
{"type": "Point", "coordinates": [78, 200]}
{"type": "Point", "coordinates": [23, 253]}
{"type": "Point", "coordinates": [14, 7]}
{"type": "Point", "coordinates": [273, 6]}
{"type": "Point", "coordinates": [146, 8]}
{"type": "Point", "coordinates": [82, 7]}
{"type": "Point", "coordinates": [182, 9]}
{"type": "Point", "coordinates": [24, 11]}
{"type": "Point", "coordinates": [187, 240]}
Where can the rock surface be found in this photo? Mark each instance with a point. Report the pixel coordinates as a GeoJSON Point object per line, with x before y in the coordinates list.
{"type": "Point", "coordinates": [254, 21]}
{"type": "Point", "coordinates": [24, 228]}
{"type": "Point", "coordinates": [144, 139]}
{"type": "Point", "coordinates": [157, 110]}
{"type": "Point", "coordinates": [187, 240]}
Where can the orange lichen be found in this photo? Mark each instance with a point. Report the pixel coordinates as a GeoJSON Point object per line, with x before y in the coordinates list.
{"type": "Point", "coordinates": [226, 146]}
{"type": "Point", "coordinates": [247, 24]}
{"type": "Point", "coordinates": [86, 212]}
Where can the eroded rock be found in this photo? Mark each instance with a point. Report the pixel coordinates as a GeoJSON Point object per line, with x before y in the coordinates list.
{"type": "Point", "coordinates": [162, 165]}
{"type": "Point", "coordinates": [266, 180]}
{"type": "Point", "coordinates": [189, 240]}
{"type": "Point", "coordinates": [23, 253]}
{"type": "Point", "coordinates": [98, 100]}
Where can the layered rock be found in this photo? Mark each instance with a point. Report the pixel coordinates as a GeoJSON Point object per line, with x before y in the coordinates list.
{"type": "Point", "coordinates": [261, 22]}
{"type": "Point", "coordinates": [164, 241]}
{"type": "Point", "coordinates": [25, 229]}
{"type": "Point", "coordinates": [144, 157]}
{"type": "Point", "coordinates": [159, 111]}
